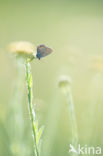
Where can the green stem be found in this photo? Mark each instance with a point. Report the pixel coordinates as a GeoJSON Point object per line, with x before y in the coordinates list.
{"type": "Point", "coordinates": [30, 96]}
{"type": "Point", "coordinates": [72, 119]}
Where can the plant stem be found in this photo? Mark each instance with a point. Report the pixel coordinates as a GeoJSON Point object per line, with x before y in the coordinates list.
{"type": "Point", "coordinates": [72, 118]}
{"type": "Point", "coordinates": [30, 96]}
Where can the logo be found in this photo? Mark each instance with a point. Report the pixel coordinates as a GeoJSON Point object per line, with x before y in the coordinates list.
{"type": "Point", "coordinates": [85, 150]}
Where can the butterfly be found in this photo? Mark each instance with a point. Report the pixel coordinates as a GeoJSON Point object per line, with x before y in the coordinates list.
{"type": "Point", "coordinates": [43, 51]}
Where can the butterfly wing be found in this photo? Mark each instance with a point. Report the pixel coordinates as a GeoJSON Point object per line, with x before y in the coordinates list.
{"type": "Point", "coordinates": [43, 51]}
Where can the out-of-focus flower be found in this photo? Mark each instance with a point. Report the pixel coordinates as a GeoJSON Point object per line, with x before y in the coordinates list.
{"type": "Point", "coordinates": [23, 49]}
{"type": "Point", "coordinates": [64, 82]}
{"type": "Point", "coordinates": [96, 63]}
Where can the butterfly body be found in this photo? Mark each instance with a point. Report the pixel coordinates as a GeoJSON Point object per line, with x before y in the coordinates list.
{"type": "Point", "coordinates": [43, 51]}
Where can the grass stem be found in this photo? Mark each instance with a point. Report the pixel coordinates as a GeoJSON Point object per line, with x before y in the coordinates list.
{"type": "Point", "coordinates": [65, 85]}
{"type": "Point", "coordinates": [30, 106]}
{"type": "Point", "coordinates": [72, 118]}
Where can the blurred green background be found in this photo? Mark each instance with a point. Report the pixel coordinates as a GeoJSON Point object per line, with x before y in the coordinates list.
{"type": "Point", "coordinates": [74, 30]}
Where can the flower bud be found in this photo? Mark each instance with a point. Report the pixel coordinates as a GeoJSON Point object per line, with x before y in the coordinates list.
{"type": "Point", "coordinates": [64, 82]}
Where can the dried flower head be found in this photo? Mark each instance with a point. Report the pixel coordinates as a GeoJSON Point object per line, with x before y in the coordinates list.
{"type": "Point", "coordinates": [23, 49]}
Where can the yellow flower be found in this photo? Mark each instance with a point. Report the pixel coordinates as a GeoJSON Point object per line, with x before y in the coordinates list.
{"type": "Point", "coordinates": [23, 49]}
{"type": "Point", "coordinates": [97, 63]}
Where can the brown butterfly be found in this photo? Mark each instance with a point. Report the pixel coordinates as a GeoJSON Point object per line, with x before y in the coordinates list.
{"type": "Point", "coordinates": [43, 51]}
